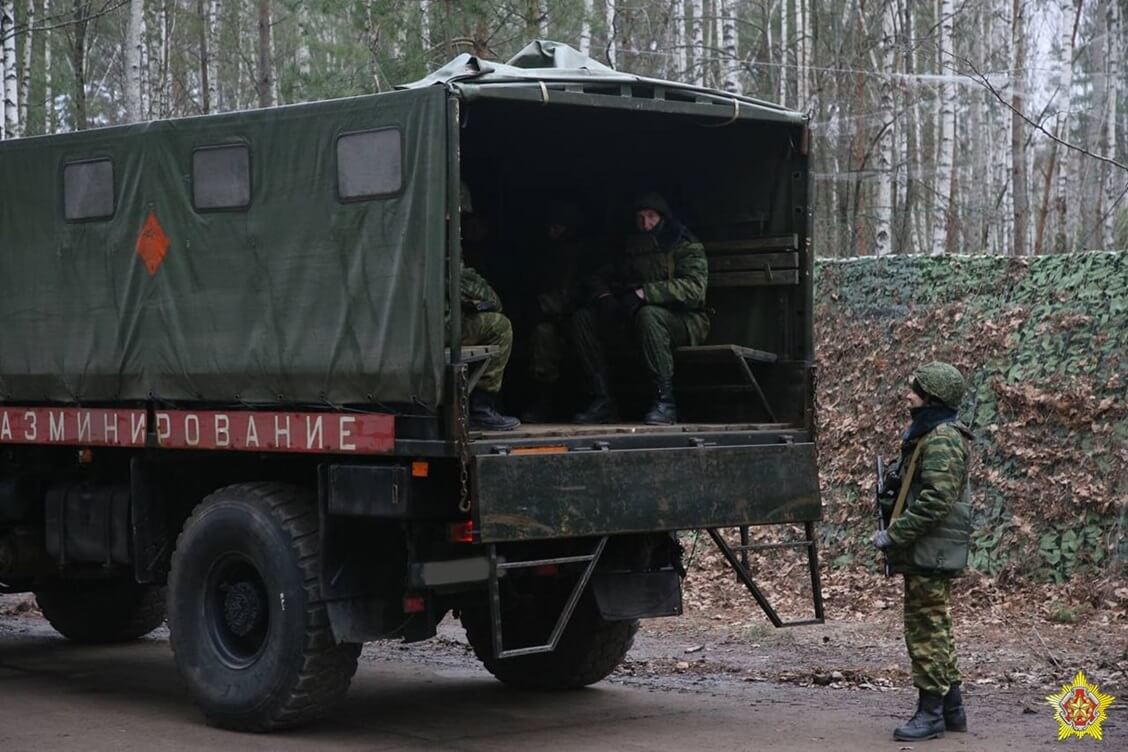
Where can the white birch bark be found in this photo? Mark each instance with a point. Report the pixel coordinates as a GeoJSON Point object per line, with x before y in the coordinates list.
{"type": "Point", "coordinates": [1020, 246]}
{"type": "Point", "coordinates": [768, 51]}
{"type": "Point", "coordinates": [146, 67]}
{"type": "Point", "coordinates": [25, 74]}
{"type": "Point", "coordinates": [1070, 16]}
{"type": "Point", "coordinates": [425, 27]}
{"type": "Point", "coordinates": [275, 98]}
{"type": "Point", "coordinates": [585, 27]}
{"type": "Point", "coordinates": [133, 60]}
{"type": "Point", "coordinates": [681, 52]}
{"type": "Point", "coordinates": [732, 54]}
{"type": "Point", "coordinates": [11, 90]}
{"type": "Point", "coordinates": [302, 55]}
{"type": "Point", "coordinates": [883, 226]}
{"type": "Point", "coordinates": [716, 47]}
{"type": "Point", "coordinates": [48, 76]}
{"type": "Point", "coordinates": [698, 34]}
{"type": "Point", "coordinates": [611, 47]}
{"type": "Point", "coordinates": [1002, 206]}
{"type": "Point", "coordinates": [212, 32]}
{"type": "Point", "coordinates": [1115, 181]}
{"type": "Point", "coordinates": [784, 48]}
{"type": "Point", "coordinates": [945, 154]}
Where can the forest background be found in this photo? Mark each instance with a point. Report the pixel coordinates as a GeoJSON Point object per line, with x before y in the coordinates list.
{"type": "Point", "coordinates": [960, 126]}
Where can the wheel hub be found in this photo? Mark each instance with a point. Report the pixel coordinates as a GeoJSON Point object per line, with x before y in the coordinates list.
{"type": "Point", "coordinates": [242, 608]}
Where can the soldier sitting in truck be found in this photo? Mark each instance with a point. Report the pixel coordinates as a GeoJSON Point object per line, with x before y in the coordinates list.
{"type": "Point", "coordinates": [556, 276]}
{"type": "Point", "coordinates": [654, 293]}
{"type": "Point", "coordinates": [483, 323]}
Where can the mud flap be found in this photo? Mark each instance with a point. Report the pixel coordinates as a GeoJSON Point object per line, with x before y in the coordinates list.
{"type": "Point", "coordinates": [622, 596]}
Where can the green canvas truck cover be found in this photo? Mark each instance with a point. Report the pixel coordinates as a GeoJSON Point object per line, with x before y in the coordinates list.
{"type": "Point", "coordinates": [298, 297]}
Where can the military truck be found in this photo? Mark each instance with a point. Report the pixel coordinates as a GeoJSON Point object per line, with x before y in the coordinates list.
{"type": "Point", "coordinates": [233, 392]}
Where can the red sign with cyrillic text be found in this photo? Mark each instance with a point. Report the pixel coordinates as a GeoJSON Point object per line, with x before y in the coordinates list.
{"type": "Point", "coordinates": [331, 433]}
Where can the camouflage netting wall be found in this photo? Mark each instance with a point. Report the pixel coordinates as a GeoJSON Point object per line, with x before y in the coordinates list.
{"type": "Point", "coordinates": [1044, 344]}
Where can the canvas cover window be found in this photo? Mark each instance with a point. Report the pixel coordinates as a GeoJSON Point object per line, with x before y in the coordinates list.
{"type": "Point", "coordinates": [221, 177]}
{"type": "Point", "coordinates": [88, 190]}
{"type": "Point", "coordinates": [369, 164]}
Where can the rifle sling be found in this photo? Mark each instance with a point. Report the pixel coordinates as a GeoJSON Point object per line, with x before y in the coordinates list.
{"type": "Point", "coordinates": [906, 482]}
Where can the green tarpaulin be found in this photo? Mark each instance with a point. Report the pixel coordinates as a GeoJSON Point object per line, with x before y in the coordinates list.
{"type": "Point", "coordinates": [300, 297]}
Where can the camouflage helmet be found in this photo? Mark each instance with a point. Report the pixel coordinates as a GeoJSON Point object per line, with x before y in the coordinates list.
{"type": "Point", "coordinates": [941, 381]}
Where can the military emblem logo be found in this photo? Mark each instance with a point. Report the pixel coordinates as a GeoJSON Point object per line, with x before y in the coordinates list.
{"type": "Point", "coordinates": [1080, 708]}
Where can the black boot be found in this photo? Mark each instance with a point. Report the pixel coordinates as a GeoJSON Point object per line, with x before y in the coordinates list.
{"type": "Point", "coordinates": [955, 719]}
{"type": "Point", "coordinates": [926, 723]}
{"type": "Point", "coordinates": [542, 409]}
{"type": "Point", "coordinates": [664, 411]}
{"type": "Point", "coordinates": [484, 415]}
{"type": "Point", "coordinates": [602, 408]}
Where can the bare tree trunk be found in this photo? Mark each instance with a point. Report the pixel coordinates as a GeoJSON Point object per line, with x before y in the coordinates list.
{"type": "Point", "coordinates": [78, 62]}
{"type": "Point", "coordinates": [698, 31]}
{"type": "Point", "coordinates": [147, 83]}
{"type": "Point", "coordinates": [25, 75]}
{"type": "Point", "coordinates": [214, 9]}
{"type": "Point", "coordinates": [133, 44]}
{"type": "Point", "coordinates": [884, 209]}
{"type": "Point", "coordinates": [585, 27]}
{"type": "Point", "coordinates": [303, 56]}
{"type": "Point", "coordinates": [48, 76]}
{"type": "Point", "coordinates": [681, 52]}
{"type": "Point", "coordinates": [784, 46]}
{"type": "Point", "coordinates": [610, 16]}
{"type": "Point", "coordinates": [264, 66]}
{"type": "Point", "coordinates": [803, 63]}
{"type": "Point", "coordinates": [946, 141]}
{"type": "Point", "coordinates": [1018, 151]}
{"type": "Point", "coordinates": [1070, 20]}
{"type": "Point", "coordinates": [11, 88]}
{"type": "Point", "coordinates": [1114, 179]}
{"type": "Point", "coordinates": [732, 55]}
{"type": "Point", "coordinates": [1002, 208]}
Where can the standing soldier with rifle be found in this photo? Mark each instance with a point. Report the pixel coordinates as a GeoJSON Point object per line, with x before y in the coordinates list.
{"type": "Point", "coordinates": [927, 540]}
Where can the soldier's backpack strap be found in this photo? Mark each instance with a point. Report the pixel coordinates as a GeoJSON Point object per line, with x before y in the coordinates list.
{"type": "Point", "coordinates": [906, 482]}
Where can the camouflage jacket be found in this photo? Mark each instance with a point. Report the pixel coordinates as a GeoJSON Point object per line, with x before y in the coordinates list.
{"type": "Point", "coordinates": [476, 291]}
{"type": "Point", "coordinates": [932, 533]}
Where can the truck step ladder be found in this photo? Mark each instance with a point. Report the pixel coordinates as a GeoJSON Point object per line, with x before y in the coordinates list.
{"type": "Point", "coordinates": [741, 567]}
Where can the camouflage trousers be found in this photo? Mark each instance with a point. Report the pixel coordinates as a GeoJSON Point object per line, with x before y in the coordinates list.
{"type": "Point", "coordinates": [928, 633]}
{"type": "Point", "coordinates": [656, 329]}
{"type": "Point", "coordinates": [489, 329]}
{"type": "Point", "coordinates": [547, 344]}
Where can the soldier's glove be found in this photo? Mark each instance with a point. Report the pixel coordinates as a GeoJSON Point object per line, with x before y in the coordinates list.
{"type": "Point", "coordinates": [881, 540]}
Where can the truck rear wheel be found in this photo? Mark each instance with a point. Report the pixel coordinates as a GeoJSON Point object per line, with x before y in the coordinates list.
{"type": "Point", "coordinates": [590, 648]}
{"type": "Point", "coordinates": [248, 629]}
{"type": "Point", "coordinates": [99, 612]}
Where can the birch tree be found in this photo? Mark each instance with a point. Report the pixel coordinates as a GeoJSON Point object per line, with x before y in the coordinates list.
{"type": "Point", "coordinates": [681, 52]}
{"type": "Point", "coordinates": [133, 42]}
{"type": "Point", "coordinates": [211, 36]}
{"type": "Point", "coordinates": [48, 75]}
{"type": "Point", "coordinates": [1070, 20]}
{"type": "Point", "coordinates": [802, 64]}
{"type": "Point", "coordinates": [884, 209]}
{"type": "Point", "coordinates": [11, 90]}
{"type": "Point", "coordinates": [609, 13]}
{"type": "Point", "coordinates": [1114, 179]}
{"type": "Point", "coordinates": [731, 56]}
{"type": "Point", "coordinates": [1018, 136]}
{"type": "Point", "coordinates": [945, 136]}
{"type": "Point", "coordinates": [698, 32]}
{"type": "Point", "coordinates": [784, 45]}
{"type": "Point", "coordinates": [264, 64]}
{"type": "Point", "coordinates": [585, 27]}
{"type": "Point", "coordinates": [25, 73]}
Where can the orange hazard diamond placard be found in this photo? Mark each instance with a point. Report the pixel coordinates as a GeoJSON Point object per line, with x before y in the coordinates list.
{"type": "Point", "coordinates": [152, 244]}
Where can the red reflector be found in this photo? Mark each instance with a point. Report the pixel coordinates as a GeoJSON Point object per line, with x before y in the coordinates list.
{"type": "Point", "coordinates": [546, 570]}
{"type": "Point", "coordinates": [462, 532]}
{"type": "Point", "coordinates": [414, 604]}
{"type": "Point", "coordinates": [420, 469]}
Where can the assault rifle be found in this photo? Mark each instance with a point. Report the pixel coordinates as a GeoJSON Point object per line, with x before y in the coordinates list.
{"type": "Point", "coordinates": [879, 493]}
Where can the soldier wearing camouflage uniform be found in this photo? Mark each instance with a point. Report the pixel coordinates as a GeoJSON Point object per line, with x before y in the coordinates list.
{"type": "Point", "coordinates": [655, 293]}
{"type": "Point", "coordinates": [927, 540]}
{"type": "Point", "coordinates": [556, 278]}
{"type": "Point", "coordinates": [483, 323]}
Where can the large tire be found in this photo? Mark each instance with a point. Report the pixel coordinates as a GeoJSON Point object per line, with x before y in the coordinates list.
{"type": "Point", "coordinates": [590, 648]}
{"type": "Point", "coordinates": [248, 629]}
{"type": "Point", "coordinates": [103, 611]}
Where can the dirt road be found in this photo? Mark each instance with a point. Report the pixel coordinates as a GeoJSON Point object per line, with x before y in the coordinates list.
{"type": "Point", "coordinates": [678, 691]}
